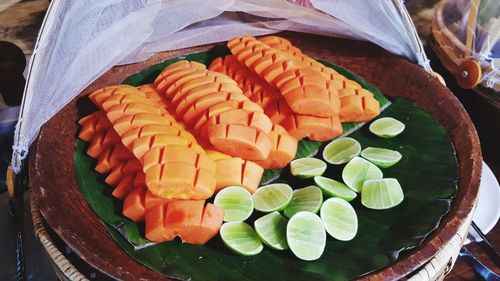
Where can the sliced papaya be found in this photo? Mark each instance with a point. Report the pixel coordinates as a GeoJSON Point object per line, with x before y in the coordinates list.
{"type": "Point", "coordinates": [125, 99]}
{"type": "Point", "coordinates": [257, 120]}
{"type": "Point", "coordinates": [240, 141]}
{"type": "Point", "coordinates": [218, 108]}
{"type": "Point", "coordinates": [178, 153]}
{"type": "Point", "coordinates": [134, 205]}
{"type": "Point", "coordinates": [178, 83]}
{"type": "Point", "coordinates": [127, 122]}
{"type": "Point", "coordinates": [196, 93]}
{"type": "Point", "coordinates": [314, 127]}
{"type": "Point", "coordinates": [179, 180]}
{"type": "Point", "coordinates": [151, 130]}
{"type": "Point", "coordinates": [283, 149]}
{"type": "Point", "coordinates": [201, 105]}
{"type": "Point", "coordinates": [144, 144]}
{"type": "Point", "coordinates": [119, 110]}
{"type": "Point", "coordinates": [278, 110]}
{"type": "Point", "coordinates": [253, 87]}
{"type": "Point", "coordinates": [99, 96]}
{"type": "Point", "coordinates": [154, 224]}
{"type": "Point", "coordinates": [237, 171]}
{"type": "Point", "coordinates": [89, 127]}
{"type": "Point", "coordinates": [152, 201]}
{"type": "Point", "coordinates": [174, 72]}
{"type": "Point", "coordinates": [359, 108]}
{"type": "Point", "coordinates": [124, 188]}
{"type": "Point", "coordinates": [182, 216]}
{"type": "Point", "coordinates": [100, 143]}
{"type": "Point", "coordinates": [211, 221]}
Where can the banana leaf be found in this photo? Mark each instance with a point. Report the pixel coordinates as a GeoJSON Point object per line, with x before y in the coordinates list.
{"type": "Point", "coordinates": [428, 173]}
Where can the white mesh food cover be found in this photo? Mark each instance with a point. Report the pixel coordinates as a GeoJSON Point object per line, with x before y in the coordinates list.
{"type": "Point", "coordinates": [80, 40]}
{"type": "Point", "coordinates": [478, 23]}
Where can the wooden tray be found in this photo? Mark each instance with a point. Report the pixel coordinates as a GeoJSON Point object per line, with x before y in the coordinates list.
{"type": "Point", "coordinates": [53, 182]}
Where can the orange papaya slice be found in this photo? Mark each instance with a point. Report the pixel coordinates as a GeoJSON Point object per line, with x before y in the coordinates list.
{"type": "Point", "coordinates": [133, 205]}
{"type": "Point", "coordinates": [202, 104]}
{"type": "Point", "coordinates": [237, 171]}
{"type": "Point", "coordinates": [314, 127]}
{"type": "Point", "coordinates": [152, 201]}
{"type": "Point", "coordinates": [211, 221]}
{"type": "Point", "coordinates": [257, 120]}
{"type": "Point", "coordinates": [179, 180]}
{"type": "Point", "coordinates": [154, 224]}
{"type": "Point", "coordinates": [283, 149]}
{"type": "Point", "coordinates": [124, 188]}
{"type": "Point", "coordinates": [240, 141]}
{"type": "Point", "coordinates": [178, 153]}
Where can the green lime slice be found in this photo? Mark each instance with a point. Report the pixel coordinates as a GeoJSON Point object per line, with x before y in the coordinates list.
{"type": "Point", "coordinates": [271, 229]}
{"type": "Point", "coordinates": [272, 197]}
{"type": "Point", "coordinates": [381, 194]}
{"type": "Point", "coordinates": [381, 157]}
{"type": "Point", "coordinates": [339, 218]}
{"type": "Point", "coordinates": [236, 201]}
{"type": "Point", "coordinates": [304, 199]}
{"type": "Point", "coordinates": [307, 167]}
{"type": "Point", "coordinates": [306, 236]}
{"type": "Point", "coordinates": [357, 171]}
{"type": "Point", "coordinates": [341, 150]}
{"type": "Point", "coordinates": [240, 238]}
{"type": "Point", "coordinates": [386, 127]}
{"type": "Point", "coordinates": [333, 188]}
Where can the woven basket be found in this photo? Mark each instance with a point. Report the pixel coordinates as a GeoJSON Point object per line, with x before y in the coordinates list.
{"type": "Point", "coordinates": [62, 266]}
{"type": "Point", "coordinates": [436, 269]}
{"type": "Point", "coordinates": [51, 169]}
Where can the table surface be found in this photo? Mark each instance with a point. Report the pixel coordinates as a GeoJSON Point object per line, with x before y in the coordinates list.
{"type": "Point", "coordinates": [20, 22]}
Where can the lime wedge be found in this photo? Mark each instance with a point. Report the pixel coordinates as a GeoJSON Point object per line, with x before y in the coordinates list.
{"type": "Point", "coordinates": [304, 199]}
{"type": "Point", "coordinates": [306, 236]}
{"type": "Point", "coordinates": [339, 218]}
{"type": "Point", "coordinates": [240, 238]}
{"type": "Point", "coordinates": [271, 229]}
{"type": "Point", "coordinates": [357, 171]}
{"type": "Point", "coordinates": [381, 194]}
{"type": "Point", "coordinates": [381, 157]}
{"type": "Point", "coordinates": [333, 188]}
{"type": "Point", "coordinates": [341, 150]}
{"type": "Point", "coordinates": [386, 127]}
{"type": "Point", "coordinates": [307, 167]}
{"type": "Point", "coordinates": [236, 202]}
{"type": "Point", "coordinates": [272, 197]}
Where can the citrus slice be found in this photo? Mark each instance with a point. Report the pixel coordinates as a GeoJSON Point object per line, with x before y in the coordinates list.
{"type": "Point", "coordinates": [381, 194]}
{"type": "Point", "coordinates": [236, 202]}
{"type": "Point", "coordinates": [307, 167]}
{"type": "Point", "coordinates": [339, 218]}
{"type": "Point", "coordinates": [357, 171]}
{"type": "Point", "coordinates": [306, 236]}
{"type": "Point", "coordinates": [386, 127]}
{"type": "Point", "coordinates": [341, 150]}
{"type": "Point", "coordinates": [333, 188]}
{"type": "Point", "coordinates": [272, 197]}
{"type": "Point", "coordinates": [304, 199]}
{"type": "Point", "coordinates": [381, 157]}
{"type": "Point", "coordinates": [271, 229]}
{"type": "Point", "coordinates": [240, 238]}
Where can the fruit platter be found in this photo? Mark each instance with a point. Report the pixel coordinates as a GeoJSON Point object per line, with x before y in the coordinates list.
{"type": "Point", "coordinates": [258, 158]}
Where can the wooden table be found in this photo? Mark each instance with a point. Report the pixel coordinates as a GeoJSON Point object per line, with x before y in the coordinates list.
{"type": "Point", "coordinates": [20, 21]}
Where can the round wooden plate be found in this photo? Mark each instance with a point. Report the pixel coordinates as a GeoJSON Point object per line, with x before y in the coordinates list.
{"type": "Point", "coordinates": [53, 182]}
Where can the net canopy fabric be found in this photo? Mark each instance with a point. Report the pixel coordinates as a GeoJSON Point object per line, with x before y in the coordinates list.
{"type": "Point", "coordinates": [81, 40]}
{"type": "Point", "coordinates": [476, 28]}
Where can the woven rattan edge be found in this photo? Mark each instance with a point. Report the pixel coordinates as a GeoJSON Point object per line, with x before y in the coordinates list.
{"type": "Point", "coordinates": [64, 269]}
